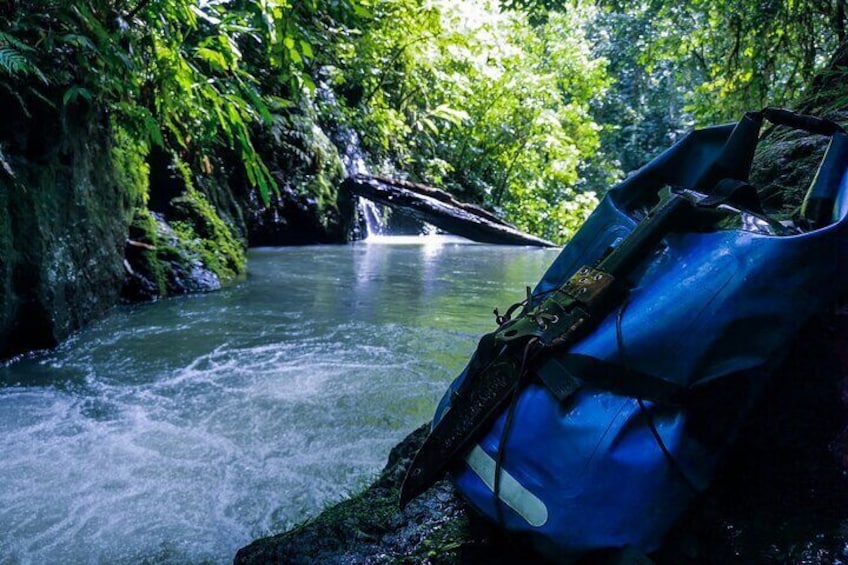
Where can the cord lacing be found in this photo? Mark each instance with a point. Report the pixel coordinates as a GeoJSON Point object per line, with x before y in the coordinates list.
{"type": "Point", "coordinates": [539, 318]}
{"type": "Point", "coordinates": [510, 415]}
{"type": "Point", "coordinates": [649, 419]}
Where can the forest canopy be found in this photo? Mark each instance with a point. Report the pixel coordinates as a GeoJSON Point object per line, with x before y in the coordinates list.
{"type": "Point", "coordinates": [528, 107]}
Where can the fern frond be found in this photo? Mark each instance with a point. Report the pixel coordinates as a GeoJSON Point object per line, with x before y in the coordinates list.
{"type": "Point", "coordinates": [9, 40]}
{"type": "Point", "coordinates": [15, 58]}
{"type": "Point", "coordinates": [13, 62]}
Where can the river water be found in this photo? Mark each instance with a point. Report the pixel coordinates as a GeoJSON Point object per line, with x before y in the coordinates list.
{"type": "Point", "coordinates": [179, 431]}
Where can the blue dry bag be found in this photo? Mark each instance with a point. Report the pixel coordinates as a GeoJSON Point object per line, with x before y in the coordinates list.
{"type": "Point", "coordinates": [709, 314]}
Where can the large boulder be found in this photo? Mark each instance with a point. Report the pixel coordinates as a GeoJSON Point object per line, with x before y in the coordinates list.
{"type": "Point", "coordinates": [63, 222]}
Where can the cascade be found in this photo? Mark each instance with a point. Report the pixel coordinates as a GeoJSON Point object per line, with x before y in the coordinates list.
{"type": "Point", "coordinates": [374, 219]}
{"type": "Point", "coordinates": [353, 159]}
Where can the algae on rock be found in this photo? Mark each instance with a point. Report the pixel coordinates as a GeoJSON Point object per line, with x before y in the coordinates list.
{"type": "Point", "coordinates": [63, 221]}
{"type": "Point", "coordinates": [308, 207]}
{"type": "Point", "coordinates": [186, 247]}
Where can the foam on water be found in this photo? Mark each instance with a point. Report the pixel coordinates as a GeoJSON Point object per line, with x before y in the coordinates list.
{"type": "Point", "coordinates": [180, 431]}
{"type": "Point", "coordinates": [430, 239]}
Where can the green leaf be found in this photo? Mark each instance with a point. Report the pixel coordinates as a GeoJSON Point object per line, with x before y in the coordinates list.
{"type": "Point", "coordinates": [308, 83]}
{"type": "Point", "coordinates": [262, 183]}
{"type": "Point", "coordinates": [214, 58]}
{"type": "Point", "coordinates": [445, 112]}
{"type": "Point", "coordinates": [258, 104]}
{"type": "Point", "coordinates": [361, 11]}
{"type": "Point", "coordinates": [79, 41]}
{"type": "Point", "coordinates": [154, 133]}
{"type": "Point", "coordinates": [14, 62]}
{"type": "Point", "coordinates": [430, 124]}
{"type": "Point", "coordinates": [75, 92]}
{"type": "Point", "coordinates": [294, 55]}
{"type": "Point", "coordinates": [249, 168]}
{"type": "Point", "coordinates": [306, 49]}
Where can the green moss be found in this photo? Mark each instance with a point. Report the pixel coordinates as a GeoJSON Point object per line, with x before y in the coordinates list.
{"type": "Point", "coordinates": [201, 230]}
{"type": "Point", "coordinates": [152, 262]}
{"type": "Point", "coordinates": [129, 160]}
{"type": "Point", "coordinates": [443, 543]}
{"type": "Point", "coordinates": [326, 174]}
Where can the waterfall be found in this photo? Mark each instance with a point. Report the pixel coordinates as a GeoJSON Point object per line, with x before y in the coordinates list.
{"type": "Point", "coordinates": [373, 217]}
{"type": "Point", "coordinates": [375, 224]}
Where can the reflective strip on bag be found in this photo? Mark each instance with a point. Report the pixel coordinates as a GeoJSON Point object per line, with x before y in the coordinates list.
{"type": "Point", "coordinates": [512, 493]}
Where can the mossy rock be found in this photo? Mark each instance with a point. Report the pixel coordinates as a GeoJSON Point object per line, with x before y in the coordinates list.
{"type": "Point", "coordinates": [64, 212]}
{"type": "Point", "coordinates": [161, 262]}
{"type": "Point", "coordinates": [185, 245]}
{"type": "Point", "coordinates": [200, 229]}
{"type": "Point", "coordinates": [368, 528]}
{"type": "Point", "coordinates": [307, 207]}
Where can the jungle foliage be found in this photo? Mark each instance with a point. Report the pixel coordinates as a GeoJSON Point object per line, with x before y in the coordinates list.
{"type": "Point", "coordinates": [530, 107]}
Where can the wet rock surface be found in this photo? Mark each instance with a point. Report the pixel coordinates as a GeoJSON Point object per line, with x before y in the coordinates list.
{"type": "Point", "coordinates": [292, 218]}
{"type": "Point", "coordinates": [369, 528]}
{"type": "Point", "coordinates": [782, 496]}
{"type": "Point", "coordinates": [307, 207]}
{"type": "Point", "coordinates": [63, 218]}
{"type": "Point", "coordinates": [157, 264]}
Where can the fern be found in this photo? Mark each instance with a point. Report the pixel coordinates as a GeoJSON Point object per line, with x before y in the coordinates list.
{"type": "Point", "coordinates": [13, 62]}
{"type": "Point", "coordinates": [287, 131]}
{"type": "Point", "coordinates": [15, 58]}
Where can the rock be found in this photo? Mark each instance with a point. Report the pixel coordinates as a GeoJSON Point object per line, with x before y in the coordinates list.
{"type": "Point", "coordinates": [437, 527]}
{"type": "Point", "coordinates": [292, 218]}
{"type": "Point", "coordinates": [160, 264]}
{"type": "Point", "coordinates": [70, 192]}
{"type": "Point", "coordinates": [183, 242]}
{"type": "Point", "coordinates": [782, 496]}
{"type": "Point", "coordinates": [63, 223]}
{"type": "Point", "coordinates": [308, 207]}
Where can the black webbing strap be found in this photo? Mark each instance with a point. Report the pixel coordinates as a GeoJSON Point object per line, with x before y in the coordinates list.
{"type": "Point", "coordinates": [736, 193]}
{"type": "Point", "coordinates": [739, 196]}
{"type": "Point", "coordinates": [564, 375]}
{"type": "Point", "coordinates": [788, 118]}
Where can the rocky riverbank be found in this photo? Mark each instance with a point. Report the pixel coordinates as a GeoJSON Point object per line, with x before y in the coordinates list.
{"type": "Point", "coordinates": [90, 216]}
{"type": "Point", "coordinates": [369, 528]}
{"type": "Point", "coordinates": [64, 211]}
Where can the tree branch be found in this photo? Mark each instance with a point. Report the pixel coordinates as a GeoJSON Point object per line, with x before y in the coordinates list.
{"type": "Point", "coordinates": [139, 7]}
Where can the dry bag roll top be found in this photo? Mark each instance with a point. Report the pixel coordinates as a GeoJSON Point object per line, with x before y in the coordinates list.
{"type": "Point", "coordinates": [666, 378]}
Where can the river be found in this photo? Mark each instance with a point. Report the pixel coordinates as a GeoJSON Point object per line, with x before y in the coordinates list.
{"type": "Point", "coordinates": [181, 430]}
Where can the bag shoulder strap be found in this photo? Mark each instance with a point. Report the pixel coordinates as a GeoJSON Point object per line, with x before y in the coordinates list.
{"type": "Point", "coordinates": [794, 120]}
